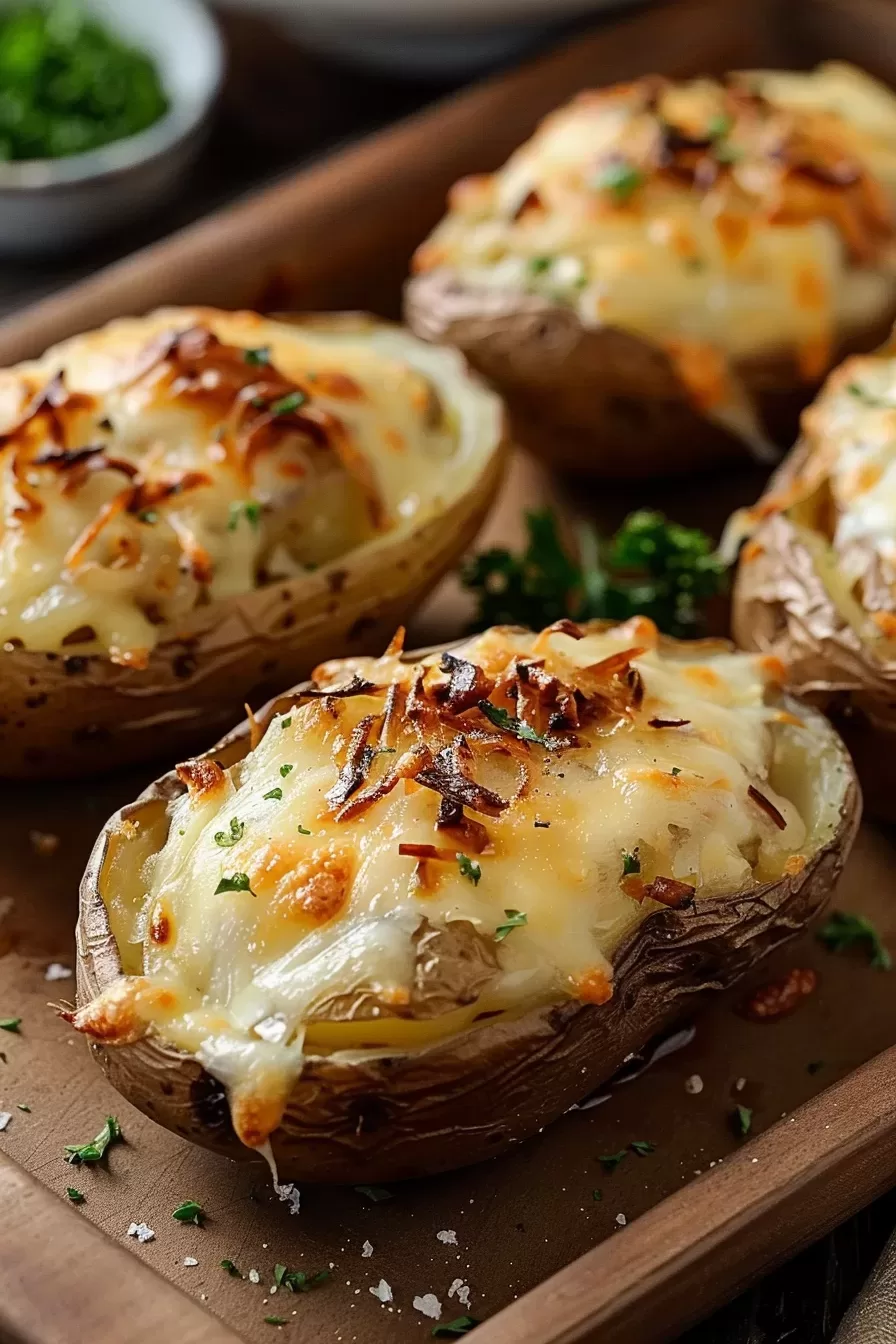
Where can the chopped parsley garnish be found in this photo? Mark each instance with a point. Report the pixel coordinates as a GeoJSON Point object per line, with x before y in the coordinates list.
{"type": "Point", "coordinates": [286, 405]}
{"type": "Point", "coordinates": [597, 1196]}
{"type": "Point", "coordinates": [461, 1325]}
{"type": "Point", "coordinates": [74, 1195]}
{"type": "Point", "coordinates": [189, 1212]}
{"type": "Point", "coordinates": [236, 882]}
{"type": "Point", "coordinates": [22, 1107]}
{"type": "Point", "coordinates": [148, 516]}
{"type": "Point", "coordinates": [10, 1024]}
{"type": "Point", "coordinates": [630, 863]}
{"type": "Point", "coordinates": [302, 830]}
{"type": "Point", "coordinates": [642, 1147]}
{"type": "Point", "coordinates": [275, 1320]}
{"type": "Point", "coordinates": [620, 179]}
{"type": "Point", "coordinates": [376, 1193]}
{"type": "Point", "coordinates": [297, 1281]}
{"type": "Point", "coordinates": [502, 719]}
{"type": "Point", "coordinates": [276, 794]}
{"type": "Point", "coordinates": [651, 567]}
{"type": "Point", "coordinates": [236, 833]}
{"type": "Point", "coordinates": [95, 1151]}
{"type": "Point", "coordinates": [285, 770]}
{"type": "Point", "coordinates": [675, 771]}
{"type": "Point", "coordinates": [284, 723]}
{"type": "Point", "coordinates": [862, 394]}
{"type": "Point", "coordinates": [259, 356]}
{"type": "Point", "coordinates": [231, 1269]}
{"type": "Point", "coordinates": [844, 930]}
{"type": "Point", "coordinates": [742, 1118]}
{"type": "Point", "coordinates": [469, 869]}
{"type": "Point", "coordinates": [610, 1161]}
{"type": "Point", "coordinates": [538, 265]}
{"type": "Point", "coordinates": [250, 509]}
{"type": "Point", "coordinates": [515, 919]}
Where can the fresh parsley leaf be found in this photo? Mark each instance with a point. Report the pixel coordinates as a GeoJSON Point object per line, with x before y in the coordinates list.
{"type": "Point", "coordinates": [286, 405]}
{"type": "Point", "coordinates": [642, 1147]}
{"type": "Point", "coordinates": [844, 930]}
{"type": "Point", "coordinates": [284, 723]}
{"type": "Point", "coordinates": [538, 265]}
{"type": "Point", "coordinates": [297, 1281]}
{"type": "Point", "coordinates": [275, 1320]}
{"type": "Point", "coordinates": [276, 794]}
{"type": "Point", "coordinates": [610, 1161]}
{"type": "Point", "coordinates": [620, 178]}
{"type": "Point", "coordinates": [189, 1212]}
{"type": "Point", "coordinates": [630, 863]}
{"type": "Point", "coordinates": [259, 356]}
{"type": "Point", "coordinates": [461, 1325]}
{"type": "Point", "coordinates": [250, 509]}
{"type": "Point", "coordinates": [469, 869]}
{"type": "Point", "coordinates": [22, 1107]}
{"type": "Point", "coordinates": [742, 1118]}
{"type": "Point", "coordinates": [675, 771]}
{"type": "Point", "coordinates": [285, 770]}
{"type": "Point", "coordinates": [515, 919]}
{"type": "Point", "coordinates": [302, 830]}
{"type": "Point", "coordinates": [597, 1196]}
{"type": "Point", "coordinates": [651, 567]}
{"type": "Point", "coordinates": [231, 1269]}
{"type": "Point", "coordinates": [375, 1193]}
{"type": "Point", "coordinates": [237, 882]}
{"type": "Point", "coordinates": [502, 719]}
{"type": "Point", "coordinates": [236, 833]}
{"type": "Point", "coordinates": [10, 1024]}
{"type": "Point", "coordinates": [74, 1195]}
{"type": "Point", "coordinates": [95, 1151]}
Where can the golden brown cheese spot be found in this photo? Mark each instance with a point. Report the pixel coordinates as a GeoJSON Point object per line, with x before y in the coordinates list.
{"type": "Point", "coordinates": [752, 550]}
{"type": "Point", "coordinates": [203, 777]}
{"type": "Point", "coordinates": [316, 889]}
{"type": "Point", "coordinates": [773, 669]}
{"type": "Point", "coordinates": [885, 622]}
{"type": "Point", "coordinates": [160, 924]}
{"type": "Point", "coordinates": [733, 232]}
{"type": "Point", "coordinates": [592, 987]}
{"type": "Point", "coordinates": [795, 864]}
{"type": "Point", "coordinates": [703, 369]}
{"type": "Point", "coordinates": [333, 383]}
{"type": "Point", "coordinates": [706, 678]}
{"type": "Point", "coordinates": [124, 1012]}
{"type": "Point", "coordinates": [256, 1117]}
{"type": "Point", "coordinates": [395, 441]}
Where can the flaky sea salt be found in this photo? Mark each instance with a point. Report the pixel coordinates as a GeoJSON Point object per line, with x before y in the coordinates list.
{"type": "Point", "coordinates": [141, 1231]}
{"type": "Point", "coordinates": [366, 1250]}
{"type": "Point", "coordinates": [428, 1305]}
{"type": "Point", "coordinates": [694, 1084]}
{"type": "Point", "coordinates": [461, 1291]}
{"type": "Point", "coordinates": [56, 971]}
{"type": "Point", "coordinates": [382, 1291]}
{"type": "Point", "coordinates": [254, 1276]}
{"type": "Point", "coordinates": [5, 1117]}
{"type": "Point", "coordinates": [448, 1237]}
{"type": "Point", "coordinates": [190, 1260]}
{"type": "Point", "coordinates": [621, 1219]}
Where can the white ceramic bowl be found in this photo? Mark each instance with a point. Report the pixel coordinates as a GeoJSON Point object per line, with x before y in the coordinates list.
{"type": "Point", "coordinates": [52, 205]}
{"type": "Point", "coordinates": [423, 37]}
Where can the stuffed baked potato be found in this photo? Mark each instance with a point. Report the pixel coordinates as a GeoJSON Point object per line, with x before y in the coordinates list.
{"type": "Point", "coordinates": [816, 582]}
{"type": "Point", "coordinates": [658, 280]}
{"type": "Point", "coordinates": [197, 504]}
{"type": "Point", "coordinates": [416, 908]}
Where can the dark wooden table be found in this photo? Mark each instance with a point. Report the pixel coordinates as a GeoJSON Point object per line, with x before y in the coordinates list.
{"type": "Point", "coordinates": [282, 107]}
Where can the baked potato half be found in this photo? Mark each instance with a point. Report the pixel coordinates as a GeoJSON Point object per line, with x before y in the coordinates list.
{"type": "Point", "coordinates": [816, 581]}
{"type": "Point", "coordinates": [658, 280]}
{"type": "Point", "coordinates": [196, 506]}
{"type": "Point", "coordinates": [416, 908]}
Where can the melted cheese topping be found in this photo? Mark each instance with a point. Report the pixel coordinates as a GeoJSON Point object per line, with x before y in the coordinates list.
{"type": "Point", "coordinates": [284, 912]}
{"type": "Point", "coordinates": [748, 218]}
{"type": "Point", "coordinates": [160, 464]}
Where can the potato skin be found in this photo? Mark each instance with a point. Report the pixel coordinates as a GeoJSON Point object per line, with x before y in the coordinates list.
{"type": "Point", "coordinates": [780, 606]}
{"type": "Point", "coordinates": [65, 715]}
{"type": "Point", "coordinates": [599, 401]}
{"type": "Point", "coordinates": [468, 1099]}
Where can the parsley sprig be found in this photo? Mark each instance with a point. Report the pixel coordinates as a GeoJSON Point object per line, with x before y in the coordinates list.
{"type": "Point", "coordinates": [514, 919]}
{"type": "Point", "coordinates": [651, 567]}
{"type": "Point", "coordinates": [189, 1212]}
{"type": "Point", "coordinates": [297, 1281]}
{"type": "Point", "coordinates": [510, 724]}
{"type": "Point", "coordinates": [236, 830]}
{"type": "Point", "coordinates": [844, 930]}
{"type": "Point", "coordinates": [95, 1151]}
{"type": "Point", "coordinates": [469, 869]}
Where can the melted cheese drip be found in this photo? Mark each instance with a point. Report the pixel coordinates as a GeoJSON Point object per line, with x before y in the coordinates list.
{"type": "Point", "coordinates": [697, 271]}
{"type": "Point", "coordinates": [292, 509]}
{"type": "Point", "coordinates": [333, 906]}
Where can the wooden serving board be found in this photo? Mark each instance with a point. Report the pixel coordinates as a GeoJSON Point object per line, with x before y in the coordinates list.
{"type": "Point", "coordinates": [544, 1260]}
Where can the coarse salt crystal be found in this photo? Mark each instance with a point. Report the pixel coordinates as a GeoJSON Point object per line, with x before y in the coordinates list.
{"type": "Point", "coordinates": [5, 1117]}
{"type": "Point", "coordinates": [694, 1084]}
{"type": "Point", "coordinates": [254, 1276]}
{"type": "Point", "coordinates": [448, 1237]}
{"type": "Point", "coordinates": [429, 1305]}
{"type": "Point", "coordinates": [366, 1250]}
{"type": "Point", "coordinates": [141, 1231]}
{"type": "Point", "coordinates": [740, 1084]}
{"type": "Point", "coordinates": [56, 971]}
{"type": "Point", "coordinates": [460, 1290]}
{"type": "Point", "coordinates": [621, 1219]}
{"type": "Point", "coordinates": [382, 1291]}
{"type": "Point", "coordinates": [190, 1260]}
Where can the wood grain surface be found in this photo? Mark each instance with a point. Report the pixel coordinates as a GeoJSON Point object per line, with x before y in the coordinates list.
{"type": "Point", "coordinates": [702, 1217]}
